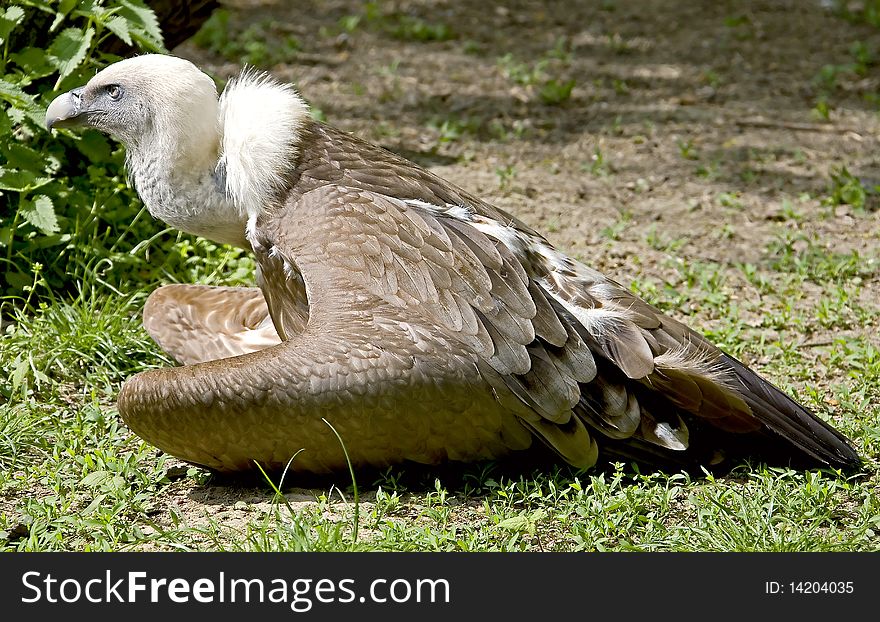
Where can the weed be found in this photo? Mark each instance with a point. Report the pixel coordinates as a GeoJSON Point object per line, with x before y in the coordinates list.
{"type": "Point", "coordinates": [409, 28]}
{"type": "Point", "coordinates": [452, 129]}
{"type": "Point", "coordinates": [398, 25]}
{"type": "Point", "coordinates": [687, 150]}
{"type": "Point", "coordinates": [844, 188]}
{"type": "Point", "coordinates": [555, 92]}
{"type": "Point", "coordinates": [796, 253]}
{"type": "Point", "coordinates": [661, 242]}
{"type": "Point", "coordinates": [598, 165]}
{"type": "Point", "coordinates": [540, 77]}
{"type": "Point", "coordinates": [730, 199]}
{"type": "Point", "coordinates": [615, 230]}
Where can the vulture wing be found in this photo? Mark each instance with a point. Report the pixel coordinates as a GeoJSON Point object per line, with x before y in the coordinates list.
{"type": "Point", "coordinates": [198, 323]}
{"type": "Point", "coordinates": [582, 357]}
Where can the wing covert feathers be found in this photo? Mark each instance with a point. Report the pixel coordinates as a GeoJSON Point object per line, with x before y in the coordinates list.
{"type": "Point", "coordinates": [196, 323]}
{"type": "Point", "coordinates": [569, 344]}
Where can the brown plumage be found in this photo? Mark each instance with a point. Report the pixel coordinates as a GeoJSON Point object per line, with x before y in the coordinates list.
{"type": "Point", "coordinates": [423, 323]}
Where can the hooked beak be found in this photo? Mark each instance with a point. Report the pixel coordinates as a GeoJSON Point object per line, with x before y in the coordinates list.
{"type": "Point", "coordinates": [66, 110]}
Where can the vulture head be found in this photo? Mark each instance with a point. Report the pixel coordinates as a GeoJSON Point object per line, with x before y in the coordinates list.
{"type": "Point", "coordinates": [145, 102]}
{"type": "Point", "coordinates": [202, 163]}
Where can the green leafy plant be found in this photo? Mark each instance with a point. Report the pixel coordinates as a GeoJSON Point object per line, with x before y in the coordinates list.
{"type": "Point", "coordinates": [847, 189]}
{"type": "Point", "coordinates": [554, 91]}
{"type": "Point", "coordinates": [63, 199]}
{"type": "Point", "coordinates": [542, 78]}
{"type": "Point", "coordinates": [505, 174]}
{"type": "Point", "coordinates": [861, 11]}
{"type": "Point", "coordinates": [398, 25]}
{"type": "Point", "coordinates": [835, 80]}
{"type": "Point", "coordinates": [409, 28]}
{"type": "Point", "coordinates": [451, 129]}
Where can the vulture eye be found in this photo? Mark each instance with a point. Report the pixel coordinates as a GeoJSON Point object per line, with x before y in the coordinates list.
{"type": "Point", "coordinates": [114, 91]}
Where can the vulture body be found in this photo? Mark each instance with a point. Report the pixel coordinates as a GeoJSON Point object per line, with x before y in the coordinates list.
{"type": "Point", "coordinates": [421, 322]}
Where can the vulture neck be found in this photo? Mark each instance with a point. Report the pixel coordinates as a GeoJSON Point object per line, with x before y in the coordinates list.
{"type": "Point", "coordinates": [181, 184]}
{"type": "Point", "coordinates": [213, 167]}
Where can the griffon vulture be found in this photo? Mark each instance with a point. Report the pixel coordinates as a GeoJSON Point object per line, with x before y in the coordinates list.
{"type": "Point", "coordinates": [421, 322]}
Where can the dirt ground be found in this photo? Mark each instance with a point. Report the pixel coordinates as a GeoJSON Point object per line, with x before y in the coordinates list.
{"type": "Point", "coordinates": [689, 122]}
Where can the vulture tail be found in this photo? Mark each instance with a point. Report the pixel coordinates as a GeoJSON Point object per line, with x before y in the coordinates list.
{"type": "Point", "coordinates": [793, 423]}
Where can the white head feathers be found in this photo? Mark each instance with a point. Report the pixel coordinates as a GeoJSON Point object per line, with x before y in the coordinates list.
{"type": "Point", "coordinates": [178, 100]}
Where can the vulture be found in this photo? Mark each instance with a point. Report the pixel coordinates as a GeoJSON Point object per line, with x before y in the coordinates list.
{"type": "Point", "coordinates": [398, 318]}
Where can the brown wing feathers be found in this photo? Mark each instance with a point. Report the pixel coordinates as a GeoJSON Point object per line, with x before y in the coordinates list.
{"type": "Point", "coordinates": [791, 422]}
{"type": "Point", "coordinates": [195, 323]}
{"type": "Point", "coordinates": [477, 289]}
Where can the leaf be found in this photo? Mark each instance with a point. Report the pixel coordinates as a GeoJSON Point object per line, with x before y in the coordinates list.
{"type": "Point", "coordinates": [15, 96]}
{"type": "Point", "coordinates": [59, 17]}
{"type": "Point", "coordinates": [21, 181]}
{"type": "Point", "coordinates": [17, 181]}
{"type": "Point", "coordinates": [19, 372]}
{"type": "Point", "coordinates": [96, 478]}
{"type": "Point", "coordinates": [515, 523]}
{"type": "Point", "coordinates": [94, 505]}
{"type": "Point", "coordinates": [119, 27]}
{"type": "Point", "coordinates": [18, 280]}
{"type": "Point", "coordinates": [48, 241]}
{"type": "Point", "coordinates": [41, 214]}
{"type": "Point", "coordinates": [23, 105]}
{"type": "Point", "coordinates": [9, 19]}
{"type": "Point", "coordinates": [69, 49]}
{"type": "Point", "coordinates": [146, 31]}
{"type": "Point", "coordinates": [5, 123]}
{"type": "Point", "coordinates": [34, 62]}
{"type": "Point", "coordinates": [94, 146]}
{"type": "Point", "coordinates": [21, 157]}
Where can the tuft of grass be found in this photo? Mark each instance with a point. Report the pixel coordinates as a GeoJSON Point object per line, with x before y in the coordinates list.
{"type": "Point", "coordinates": [544, 77]}
{"type": "Point", "coordinates": [662, 242]}
{"type": "Point", "coordinates": [687, 149]}
{"type": "Point", "coordinates": [615, 231]}
{"type": "Point", "coordinates": [598, 165]}
{"type": "Point", "coordinates": [803, 256]}
{"type": "Point", "coordinates": [506, 174]}
{"type": "Point", "coordinates": [395, 24]}
{"type": "Point", "coordinates": [407, 28]}
{"type": "Point", "coordinates": [451, 129]}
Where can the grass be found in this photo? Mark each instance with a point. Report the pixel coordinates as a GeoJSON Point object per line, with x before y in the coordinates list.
{"type": "Point", "coordinates": [397, 25]}
{"type": "Point", "coordinates": [250, 45]}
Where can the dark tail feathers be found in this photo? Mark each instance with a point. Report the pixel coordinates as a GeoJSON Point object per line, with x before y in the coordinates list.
{"type": "Point", "coordinates": [791, 422]}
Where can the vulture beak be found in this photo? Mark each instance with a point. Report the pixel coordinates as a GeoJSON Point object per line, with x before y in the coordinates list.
{"type": "Point", "coordinates": [66, 110]}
